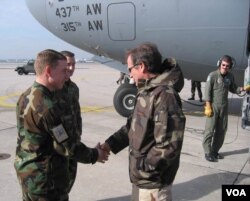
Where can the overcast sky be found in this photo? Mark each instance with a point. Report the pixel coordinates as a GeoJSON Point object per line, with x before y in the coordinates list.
{"type": "Point", "coordinates": [22, 37]}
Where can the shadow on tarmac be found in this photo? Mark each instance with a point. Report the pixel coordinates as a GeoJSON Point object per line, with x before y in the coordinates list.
{"type": "Point", "coordinates": [235, 152]}
{"type": "Point", "coordinates": [202, 186]}
{"type": "Point", "coordinates": [124, 198]}
{"type": "Point", "coordinates": [196, 188]}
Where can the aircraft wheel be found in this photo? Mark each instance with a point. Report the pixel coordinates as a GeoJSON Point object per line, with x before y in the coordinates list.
{"type": "Point", "coordinates": [124, 99]}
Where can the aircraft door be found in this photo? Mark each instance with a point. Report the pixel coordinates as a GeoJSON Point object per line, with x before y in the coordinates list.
{"type": "Point", "coordinates": [121, 27]}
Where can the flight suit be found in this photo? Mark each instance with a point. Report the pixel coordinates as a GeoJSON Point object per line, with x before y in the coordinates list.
{"type": "Point", "coordinates": [216, 92]}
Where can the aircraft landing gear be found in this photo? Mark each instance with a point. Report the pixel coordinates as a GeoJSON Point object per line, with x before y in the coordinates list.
{"type": "Point", "coordinates": [124, 99]}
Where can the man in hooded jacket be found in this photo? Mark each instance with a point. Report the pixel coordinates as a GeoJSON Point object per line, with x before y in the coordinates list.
{"type": "Point", "coordinates": [155, 130]}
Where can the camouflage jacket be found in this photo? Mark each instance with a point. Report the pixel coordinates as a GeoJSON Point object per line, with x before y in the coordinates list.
{"type": "Point", "coordinates": [217, 87]}
{"type": "Point", "coordinates": [68, 102]}
{"type": "Point", "coordinates": [43, 145]}
{"type": "Point", "coordinates": [154, 133]}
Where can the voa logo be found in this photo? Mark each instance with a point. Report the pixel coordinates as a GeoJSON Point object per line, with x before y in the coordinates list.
{"type": "Point", "coordinates": [236, 192]}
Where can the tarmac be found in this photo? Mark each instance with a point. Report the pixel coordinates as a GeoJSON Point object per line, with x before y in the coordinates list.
{"type": "Point", "coordinates": [197, 179]}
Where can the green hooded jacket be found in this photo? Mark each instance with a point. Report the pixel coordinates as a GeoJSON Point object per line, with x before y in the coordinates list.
{"type": "Point", "coordinates": [154, 132]}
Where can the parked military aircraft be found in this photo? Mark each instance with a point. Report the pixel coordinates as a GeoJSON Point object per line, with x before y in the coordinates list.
{"type": "Point", "coordinates": [196, 32]}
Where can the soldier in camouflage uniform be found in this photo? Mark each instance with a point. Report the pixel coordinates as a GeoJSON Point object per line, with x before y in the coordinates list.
{"type": "Point", "coordinates": [68, 99]}
{"type": "Point", "coordinates": [194, 85]}
{"type": "Point", "coordinates": [218, 84]}
{"type": "Point", "coordinates": [44, 146]}
{"type": "Point", "coordinates": [155, 130]}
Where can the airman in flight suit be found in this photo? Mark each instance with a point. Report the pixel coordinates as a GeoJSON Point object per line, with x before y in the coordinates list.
{"type": "Point", "coordinates": [218, 84]}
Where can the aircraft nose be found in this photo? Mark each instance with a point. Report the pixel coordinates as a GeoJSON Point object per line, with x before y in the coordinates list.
{"type": "Point", "coordinates": [38, 9]}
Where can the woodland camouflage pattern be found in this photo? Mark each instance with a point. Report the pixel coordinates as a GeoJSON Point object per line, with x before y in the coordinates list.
{"type": "Point", "coordinates": [154, 133]}
{"type": "Point", "coordinates": [41, 163]}
{"type": "Point", "coordinates": [68, 99]}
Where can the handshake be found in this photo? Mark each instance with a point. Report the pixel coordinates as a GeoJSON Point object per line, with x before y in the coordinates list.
{"type": "Point", "coordinates": [103, 152]}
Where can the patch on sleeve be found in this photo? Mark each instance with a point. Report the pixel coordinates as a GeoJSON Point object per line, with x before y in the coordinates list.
{"type": "Point", "coordinates": [208, 78]}
{"type": "Point", "coordinates": [59, 133]}
{"type": "Point", "coordinates": [161, 116]}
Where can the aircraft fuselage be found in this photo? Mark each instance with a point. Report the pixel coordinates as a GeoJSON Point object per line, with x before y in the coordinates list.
{"type": "Point", "coordinates": [196, 32]}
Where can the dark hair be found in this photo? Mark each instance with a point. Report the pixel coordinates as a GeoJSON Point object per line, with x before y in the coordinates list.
{"type": "Point", "coordinates": [227, 59]}
{"type": "Point", "coordinates": [148, 54]}
{"type": "Point", "coordinates": [47, 57]}
{"type": "Point", "coordinates": [67, 53]}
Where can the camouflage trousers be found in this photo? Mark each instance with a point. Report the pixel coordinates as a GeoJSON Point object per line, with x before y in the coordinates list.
{"type": "Point", "coordinates": [157, 194]}
{"type": "Point", "coordinates": [50, 197]}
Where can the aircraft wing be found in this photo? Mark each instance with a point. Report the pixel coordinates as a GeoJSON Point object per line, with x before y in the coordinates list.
{"type": "Point", "coordinates": [111, 63]}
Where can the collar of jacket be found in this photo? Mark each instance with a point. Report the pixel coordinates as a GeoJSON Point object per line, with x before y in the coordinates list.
{"type": "Point", "coordinates": [143, 84]}
{"type": "Point", "coordinates": [44, 89]}
{"type": "Point", "coordinates": [228, 73]}
{"type": "Point", "coordinates": [173, 78]}
{"type": "Point", "coordinates": [162, 79]}
{"type": "Point", "coordinates": [67, 83]}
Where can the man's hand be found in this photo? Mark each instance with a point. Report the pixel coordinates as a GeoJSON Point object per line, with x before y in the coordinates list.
{"type": "Point", "coordinates": [105, 146]}
{"type": "Point", "coordinates": [102, 154]}
{"type": "Point", "coordinates": [208, 110]}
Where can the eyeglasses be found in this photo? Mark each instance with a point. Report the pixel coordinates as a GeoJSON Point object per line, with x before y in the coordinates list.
{"type": "Point", "coordinates": [130, 68]}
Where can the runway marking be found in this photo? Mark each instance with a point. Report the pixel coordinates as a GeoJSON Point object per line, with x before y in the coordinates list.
{"type": "Point", "coordinates": [95, 109]}
{"type": "Point", "coordinates": [4, 102]}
